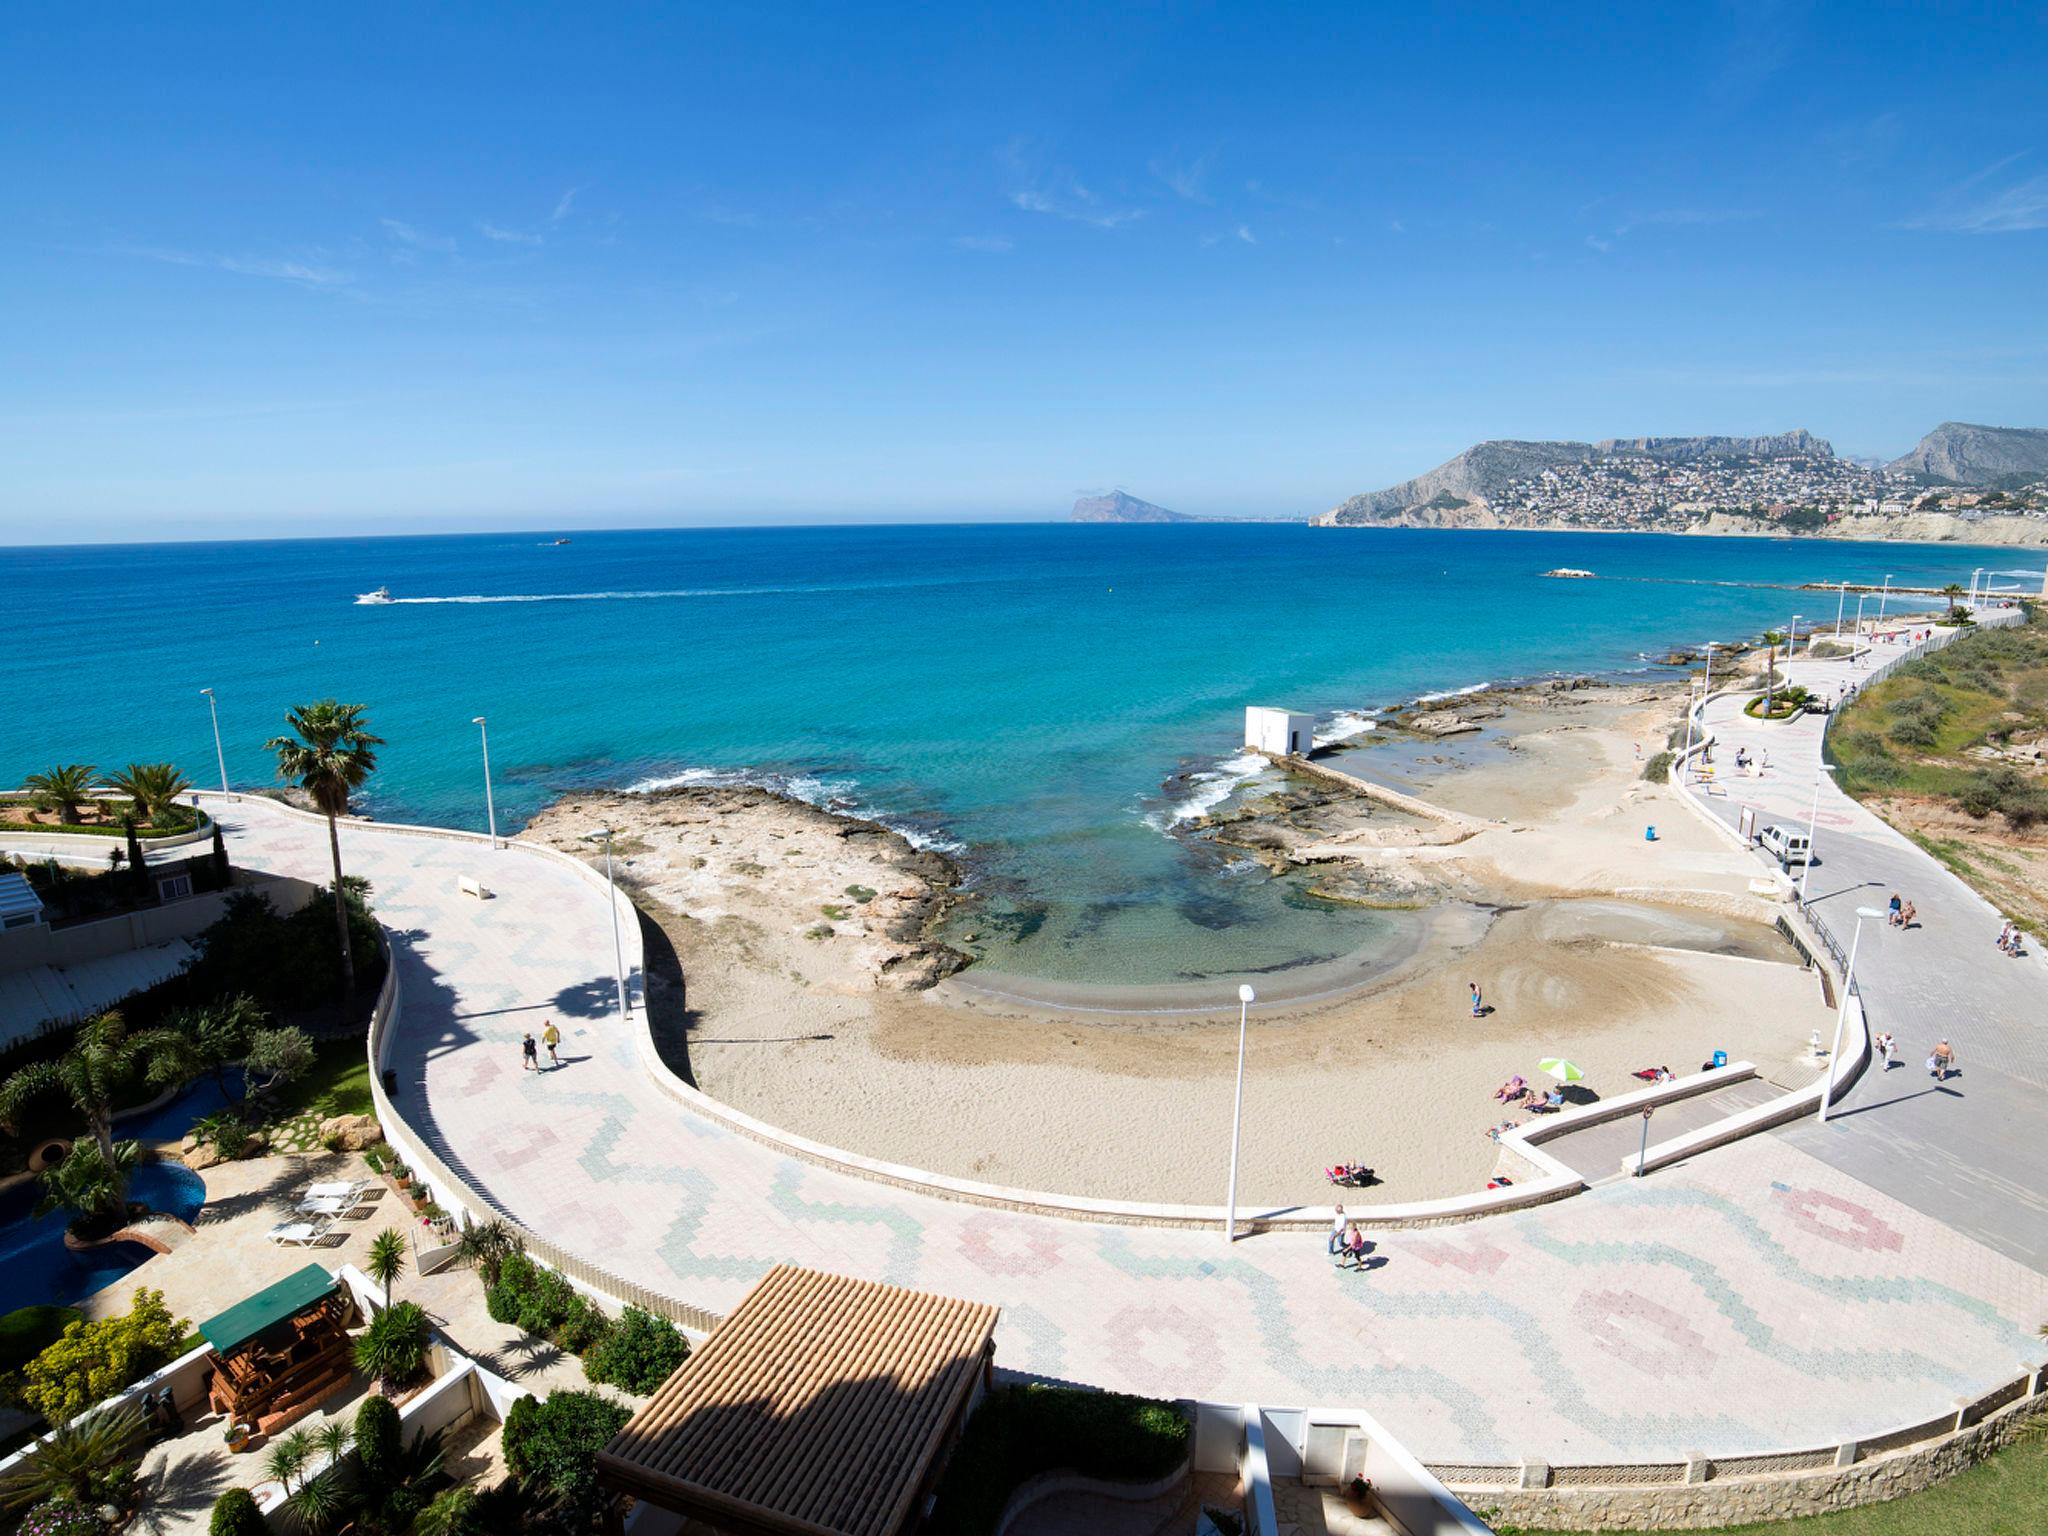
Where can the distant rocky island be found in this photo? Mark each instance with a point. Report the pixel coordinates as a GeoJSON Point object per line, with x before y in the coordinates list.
{"type": "Point", "coordinates": [1962, 483]}
{"type": "Point", "coordinates": [1121, 507]}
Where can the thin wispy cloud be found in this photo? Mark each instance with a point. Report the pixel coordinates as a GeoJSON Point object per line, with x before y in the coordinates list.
{"type": "Point", "coordinates": [994, 245]}
{"type": "Point", "coordinates": [563, 204]}
{"type": "Point", "coordinates": [1988, 203]}
{"type": "Point", "coordinates": [505, 236]}
{"type": "Point", "coordinates": [1185, 181]}
{"type": "Point", "coordinates": [1602, 246]}
{"type": "Point", "coordinates": [1244, 233]}
{"type": "Point", "coordinates": [281, 269]}
{"type": "Point", "coordinates": [406, 234]}
{"type": "Point", "coordinates": [1062, 195]}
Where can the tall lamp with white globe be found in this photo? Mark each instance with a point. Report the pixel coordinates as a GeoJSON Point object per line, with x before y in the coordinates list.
{"type": "Point", "coordinates": [1245, 998]}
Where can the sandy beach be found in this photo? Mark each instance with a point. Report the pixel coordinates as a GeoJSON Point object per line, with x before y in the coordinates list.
{"type": "Point", "coordinates": [818, 998]}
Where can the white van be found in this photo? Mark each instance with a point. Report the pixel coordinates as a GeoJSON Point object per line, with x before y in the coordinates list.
{"type": "Point", "coordinates": [1788, 848]}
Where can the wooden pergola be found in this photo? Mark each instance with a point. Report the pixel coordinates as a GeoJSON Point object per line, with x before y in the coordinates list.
{"type": "Point", "coordinates": [280, 1352]}
{"type": "Point", "coordinates": [823, 1406]}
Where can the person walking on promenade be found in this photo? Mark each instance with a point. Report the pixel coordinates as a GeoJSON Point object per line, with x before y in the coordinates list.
{"type": "Point", "coordinates": [551, 1037]}
{"type": "Point", "coordinates": [529, 1057]}
{"type": "Point", "coordinates": [1354, 1247]}
{"type": "Point", "coordinates": [1887, 1049]}
{"type": "Point", "coordinates": [1478, 1003]}
{"type": "Point", "coordinates": [1337, 1233]}
{"type": "Point", "coordinates": [1943, 1061]}
{"type": "Point", "coordinates": [1892, 909]}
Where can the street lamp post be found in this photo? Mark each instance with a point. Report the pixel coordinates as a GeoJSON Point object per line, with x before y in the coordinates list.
{"type": "Point", "coordinates": [1973, 585]}
{"type": "Point", "coordinates": [1861, 598]}
{"type": "Point", "coordinates": [1884, 598]}
{"type": "Point", "coordinates": [1706, 688]}
{"type": "Point", "coordinates": [1841, 603]}
{"type": "Point", "coordinates": [1842, 1013]}
{"type": "Point", "coordinates": [218, 755]}
{"type": "Point", "coordinates": [490, 808]}
{"type": "Point", "coordinates": [1245, 998]}
{"type": "Point", "coordinates": [612, 890]}
{"type": "Point", "coordinates": [1812, 817]}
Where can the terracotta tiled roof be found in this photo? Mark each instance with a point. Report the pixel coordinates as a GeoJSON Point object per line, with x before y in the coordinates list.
{"type": "Point", "coordinates": [822, 1404]}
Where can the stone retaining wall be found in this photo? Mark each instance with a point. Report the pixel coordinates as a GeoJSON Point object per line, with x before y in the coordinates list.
{"type": "Point", "coordinates": [1707, 1493]}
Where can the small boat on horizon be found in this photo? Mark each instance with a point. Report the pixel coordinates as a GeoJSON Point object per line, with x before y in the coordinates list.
{"type": "Point", "coordinates": [561, 541]}
{"type": "Point", "coordinates": [381, 595]}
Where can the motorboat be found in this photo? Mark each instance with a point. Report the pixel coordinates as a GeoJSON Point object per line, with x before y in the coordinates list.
{"type": "Point", "coordinates": [381, 595]}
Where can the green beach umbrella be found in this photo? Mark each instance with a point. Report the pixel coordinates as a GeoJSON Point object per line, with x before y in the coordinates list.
{"type": "Point", "coordinates": [1564, 1071]}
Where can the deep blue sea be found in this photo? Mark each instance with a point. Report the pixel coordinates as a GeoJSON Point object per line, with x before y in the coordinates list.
{"type": "Point", "coordinates": [1035, 694]}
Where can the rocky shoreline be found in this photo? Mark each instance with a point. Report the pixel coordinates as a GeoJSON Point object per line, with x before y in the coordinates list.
{"type": "Point", "coordinates": [862, 903]}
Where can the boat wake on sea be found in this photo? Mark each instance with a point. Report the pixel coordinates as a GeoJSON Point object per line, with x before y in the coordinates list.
{"type": "Point", "coordinates": [383, 595]}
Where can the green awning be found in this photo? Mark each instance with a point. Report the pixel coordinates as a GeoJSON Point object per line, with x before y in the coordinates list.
{"type": "Point", "coordinates": [231, 1329]}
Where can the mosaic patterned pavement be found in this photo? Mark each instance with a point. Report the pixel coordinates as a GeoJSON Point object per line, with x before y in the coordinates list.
{"type": "Point", "coordinates": [1760, 1300]}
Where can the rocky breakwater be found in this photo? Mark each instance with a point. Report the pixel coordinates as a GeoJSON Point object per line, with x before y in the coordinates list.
{"type": "Point", "coordinates": [767, 880]}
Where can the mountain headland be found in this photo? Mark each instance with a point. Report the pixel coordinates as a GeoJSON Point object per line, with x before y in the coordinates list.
{"type": "Point", "coordinates": [1121, 507]}
{"type": "Point", "coordinates": [1962, 483]}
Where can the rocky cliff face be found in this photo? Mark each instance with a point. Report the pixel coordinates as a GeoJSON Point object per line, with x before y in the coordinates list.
{"type": "Point", "coordinates": [1906, 527]}
{"type": "Point", "coordinates": [1959, 453]}
{"type": "Point", "coordinates": [1117, 507]}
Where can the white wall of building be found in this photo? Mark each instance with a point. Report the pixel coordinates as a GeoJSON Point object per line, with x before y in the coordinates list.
{"type": "Point", "coordinates": [1282, 732]}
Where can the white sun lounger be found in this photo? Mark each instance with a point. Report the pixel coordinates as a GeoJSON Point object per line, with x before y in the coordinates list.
{"type": "Point", "coordinates": [298, 1234]}
{"type": "Point", "coordinates": [338, 1188]}
{"type": "Point", "coordinates": [328, 1205]}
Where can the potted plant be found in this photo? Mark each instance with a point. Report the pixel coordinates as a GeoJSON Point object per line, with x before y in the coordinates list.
{"type": "Point", "coordinates": [237, 1436]}
{"type": "Point", "coordinates": [1358, 1495]}
{"type": "Point", "coordinates": [421, 1196]}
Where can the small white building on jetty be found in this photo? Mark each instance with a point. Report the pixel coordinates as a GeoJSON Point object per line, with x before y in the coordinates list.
{"type": "Point", "coordinates": [1279, 732]}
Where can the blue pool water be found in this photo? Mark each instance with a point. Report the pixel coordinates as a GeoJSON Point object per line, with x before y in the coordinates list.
{"type": "Point", "coordinates": [35, 1266]}
{"type": "Point", "coordinates": [1047, 697]}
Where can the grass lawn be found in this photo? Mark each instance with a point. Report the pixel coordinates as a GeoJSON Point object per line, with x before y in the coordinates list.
{"type": "Point", "coordinates": [2006, 1495]}
{"type": "Point", "coordinates": [27, 1331]}
{"type": "Point", "coordinates": [339, 1084]}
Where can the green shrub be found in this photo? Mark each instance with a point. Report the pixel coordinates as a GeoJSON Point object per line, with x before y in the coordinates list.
{"type": "Point", "coordinates": [93, 1361]}
{"type": "Point", "coordinates": [223, 1130]}
{"type": "Point", "coordinates": [1658, 768]}
{"type": "Point", "coordinates": [553, 1442]}
{"type": "Point", "coordinates": [1019, 1432]}
{"type": "Point", "coordinates": [394, 1347]}
{"type": "Point", "coordinates": [379, 1440]}
{"type": "Point", "coordinates": [638, 1353]}
{"type": "Point", "coordinates": [583, 1329]}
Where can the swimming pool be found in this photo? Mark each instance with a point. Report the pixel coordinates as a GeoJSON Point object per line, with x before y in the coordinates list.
{"type": "Point", "coordinates": [35, 1266]}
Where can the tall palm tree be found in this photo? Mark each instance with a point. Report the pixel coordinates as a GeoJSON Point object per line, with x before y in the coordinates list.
{"type": "Point", "coordinates": [101, 1061]}
{"type": "Point", "coordinates": [330, 754]}
{"type": "Point", "coordinates": [1773, 639]}
{"type": "Point", "coordinates": [1953, 592]}
{"type": "Point", "coordinates": [385, 1261]}
{"type": "Point", "coordinates": [152, 786]}
{"type": "Point", "coordinates": [62, 789]}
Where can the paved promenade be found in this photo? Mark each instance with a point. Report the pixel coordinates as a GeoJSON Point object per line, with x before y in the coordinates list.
{"type": "Point", "coordinates": [1972, 1152]}
{"type": "Point", "coordinates": [1760, 1299]}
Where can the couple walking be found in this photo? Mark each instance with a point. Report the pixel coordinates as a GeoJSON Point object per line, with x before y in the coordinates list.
{"type": "Point", "coordinates": [1347, 1242]}
{"type": "Point", "coordinates": [529, 1056]}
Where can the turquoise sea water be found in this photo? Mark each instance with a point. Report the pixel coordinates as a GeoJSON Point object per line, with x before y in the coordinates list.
{"type": "Point", "coordinates": [1045, 697]}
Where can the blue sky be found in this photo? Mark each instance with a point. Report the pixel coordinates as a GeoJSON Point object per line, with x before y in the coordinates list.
{"type": "Point", "coordinates": [289, 269]}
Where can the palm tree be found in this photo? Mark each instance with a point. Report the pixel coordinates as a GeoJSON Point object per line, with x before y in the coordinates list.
{"type": "Point", "coordinates": [85, 1182]}
{"type": "Point", "coordinates": [102, 1059]}
{"type": "Point", "coordinates": [330, 755]}
{"type": "Point", "coordinates": [62, 789]}
{"type": "Point", "coordinates": [88, 1461]}
{"type": "Point", "coordinates": [1953, 592]}
{"type": "Point", "coordinates": [154, 787]}
{"type": "Point", "coordinates": [1773, 639]}
{"type": "Point", "coordinates": [385, 1261]}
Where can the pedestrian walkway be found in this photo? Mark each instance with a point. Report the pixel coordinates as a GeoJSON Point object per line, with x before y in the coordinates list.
{"type": "Point", "coordinates": [1757, 1299]}
{"type": "Point", "coordinates": [1972, 1152]}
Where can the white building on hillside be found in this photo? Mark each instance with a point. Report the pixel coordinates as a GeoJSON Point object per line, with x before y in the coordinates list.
{"type": "Point", "coordinates": [1280, 732]}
